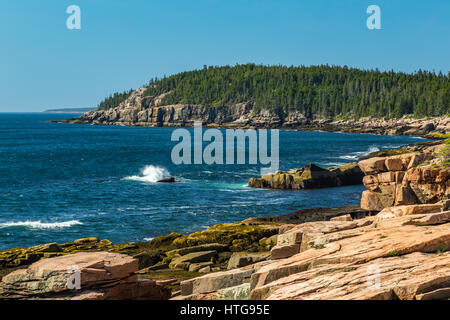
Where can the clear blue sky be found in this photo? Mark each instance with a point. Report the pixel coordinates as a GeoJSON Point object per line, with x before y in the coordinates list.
{"type": "Point", "coordinates": [122, 44]}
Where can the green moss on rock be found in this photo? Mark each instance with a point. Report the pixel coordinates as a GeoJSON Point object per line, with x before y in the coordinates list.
{"type": "Point", "coordinates": [162, 241]}
{"type": "Point", "coordinates": [235, 235]}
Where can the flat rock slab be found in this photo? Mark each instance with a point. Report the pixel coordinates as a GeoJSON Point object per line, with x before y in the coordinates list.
{"type": "Point", "coordinates": [286, 251]}
{"type": "Point", "coordinates": [405, 277]}
{"type": "Point", "coordinates": [98, 267]}
{"type": "Point", "coordinates": [193, 257]}
{"type": "Point", "coordinates": [240, 292]}
{"type": "Point", "coordinates": [102, 275]}
{"type": "Point", "coordinates": [405, 210]}
{"type": "Point", "coordinates": [242, 259]}
{"type": "Point", "coordinates": [219, 280]}
{"type": "Point", "coordinates": [204, 247]}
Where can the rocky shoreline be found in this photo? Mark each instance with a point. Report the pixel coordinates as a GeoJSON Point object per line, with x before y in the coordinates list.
{"type": "Point", "coordinates": [402, 229]}
{"type": "Point", "coordinates": [140, 110]}
{"type": "Point", "coordinates": [310, 177]}
{"type": "Point", "coordinates": [167, 260]}
{"type": "Point", "coordinates": [385, 250]}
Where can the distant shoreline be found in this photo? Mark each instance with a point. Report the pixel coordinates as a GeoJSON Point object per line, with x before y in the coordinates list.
{"type": "Point", "coordinates": [148, 111]}
{"type": "Point", "coordinates": [69, 110]}
{"type": "Point", "coordinates": [434, 128]}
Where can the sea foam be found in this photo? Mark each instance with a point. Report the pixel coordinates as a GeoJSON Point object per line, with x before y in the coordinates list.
{"type": "Point", "coordinates": [40, 225]}
{"type": "Point", "coordinates": [150, 174]}
{"type": "Point", "coordinates": [356, 155]}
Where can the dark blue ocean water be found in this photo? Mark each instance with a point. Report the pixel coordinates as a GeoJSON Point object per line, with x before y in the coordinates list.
{"type": "Point", "coordinates": [59, 182]}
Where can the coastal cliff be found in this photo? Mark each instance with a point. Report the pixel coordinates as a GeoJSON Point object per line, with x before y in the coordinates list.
{"type": "Point", "coordinates": [323, 97]}
{"type": "Point", "coordinates": [140, 110]}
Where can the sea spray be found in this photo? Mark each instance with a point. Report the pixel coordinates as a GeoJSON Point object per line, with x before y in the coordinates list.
{"type": "Point", "coordinates": [150, 173]}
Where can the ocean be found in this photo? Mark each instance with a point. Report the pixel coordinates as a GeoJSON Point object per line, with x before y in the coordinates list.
{"type": "Point", "coordinates": [59, 182]}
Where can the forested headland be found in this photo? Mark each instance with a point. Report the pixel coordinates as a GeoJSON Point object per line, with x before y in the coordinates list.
{"type": "Point", "coordinates": [315, 91]}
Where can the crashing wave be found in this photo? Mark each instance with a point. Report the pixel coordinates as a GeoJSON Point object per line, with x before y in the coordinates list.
{"type": "Point", "coordinates": [40, 225]}
{"type": "Point", "coordinates": [150, 174]}
{"type": "Point", "coordinates": [356, 155]}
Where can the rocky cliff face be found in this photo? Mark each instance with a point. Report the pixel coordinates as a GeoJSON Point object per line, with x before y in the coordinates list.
{"type": "Point", "coordinates": [146, 111]}
{"type": "Point", "coordinates": [412, 178]}
{"type": "Point", "coordinates": [138, 110]}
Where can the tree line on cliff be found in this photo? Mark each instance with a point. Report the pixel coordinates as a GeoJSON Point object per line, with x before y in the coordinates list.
{"type": "Point", "coordinates": [114, 100]}
{"type": "Point", "coordinates": [325, 91]}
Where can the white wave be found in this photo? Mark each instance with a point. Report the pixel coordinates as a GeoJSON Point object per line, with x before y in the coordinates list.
{"type": "Point", "coordinates": [148, 239]}
{"type": "Point", "coordinates": [392, 146]}
{"type": "Point", "coordinates": [150, 174]}
{"type": "Point", "coordinates": [40, 225]}
{"type": "Point", "coordinates": [371, 149]}
{"type": "Point", "coordinates": [349, 157]}
{"type": "Point", "coordinates": [331, 164]}
{"type": "Point", "coordinates": [356, 155]}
